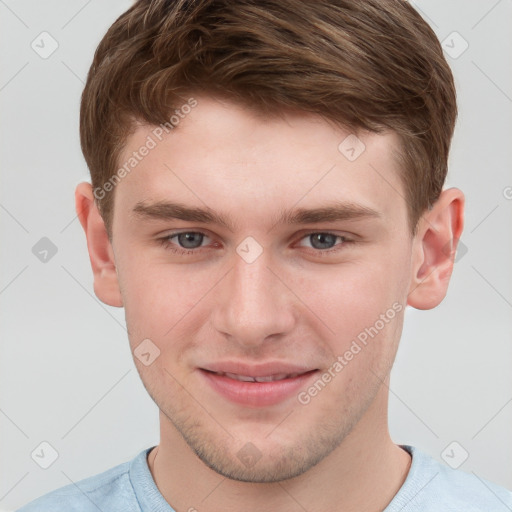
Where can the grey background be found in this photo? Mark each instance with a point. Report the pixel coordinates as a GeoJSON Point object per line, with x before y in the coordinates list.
{"type": "Point", "coordinates": [66, 372]}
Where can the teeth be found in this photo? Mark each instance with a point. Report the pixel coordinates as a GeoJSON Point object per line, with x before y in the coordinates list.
{"type": "Point", "coordinates": [239, 377]}
{"type": "Point", "coordinates": [268, 378]}
{"type": "Point", "coordinates": [271, 378]}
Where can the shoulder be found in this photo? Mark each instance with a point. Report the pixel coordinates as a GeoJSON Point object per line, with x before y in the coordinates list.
{"type": "Point", "coordinates": [432, 486]}
{"type": "Point", "coordinates": [99, 492]}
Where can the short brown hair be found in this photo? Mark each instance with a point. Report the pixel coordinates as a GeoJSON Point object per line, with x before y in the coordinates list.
{"type": "Point", "coordinates": [364, 64]}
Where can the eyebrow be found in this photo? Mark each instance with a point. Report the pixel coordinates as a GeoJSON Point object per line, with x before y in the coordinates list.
{"type": "Point", "coordinates": [331, 212]}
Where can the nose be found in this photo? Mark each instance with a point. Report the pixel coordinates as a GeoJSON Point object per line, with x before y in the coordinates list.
{"type": "Point", "coordinates": [253, 302]}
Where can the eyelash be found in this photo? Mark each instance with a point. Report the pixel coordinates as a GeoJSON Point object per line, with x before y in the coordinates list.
{"type": "Point", "coordinates": [166, 243]}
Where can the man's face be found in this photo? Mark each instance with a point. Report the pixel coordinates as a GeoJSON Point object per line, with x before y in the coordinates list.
{"type": "Point", "coordinates": [262, 290]}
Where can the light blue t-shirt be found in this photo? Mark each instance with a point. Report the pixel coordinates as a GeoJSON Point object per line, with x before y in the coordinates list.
{"type": "Point", "coordinates": [129, 487]}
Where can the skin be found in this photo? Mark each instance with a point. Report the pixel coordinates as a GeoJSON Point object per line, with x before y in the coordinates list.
{"type": "Point", "coordinates": [291, 304]}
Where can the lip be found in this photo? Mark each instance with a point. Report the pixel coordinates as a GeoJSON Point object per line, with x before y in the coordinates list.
{"type": "Point", "coordinates": [260, 370]}
{"type": "Point", "coordinates": [256, 394]}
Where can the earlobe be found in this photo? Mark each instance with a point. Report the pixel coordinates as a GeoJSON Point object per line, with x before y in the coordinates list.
{"type": "Point", "coordinates": [434, 250]}
{"type": "Point", "coordinates": [101, 255]}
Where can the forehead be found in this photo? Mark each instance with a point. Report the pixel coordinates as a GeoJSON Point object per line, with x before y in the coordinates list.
{"type": "Point", "coordinates": [228, 158]}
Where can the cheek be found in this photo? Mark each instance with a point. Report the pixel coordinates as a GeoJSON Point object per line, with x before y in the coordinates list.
{"type": "Point", "coordinates": [362, 305]}
{"type": "Point", "coordinates": [351, 296]}
{"type": "Point", "coordinates": [160, 302]}
{"type": "Point", "coordinates": [153, 287]}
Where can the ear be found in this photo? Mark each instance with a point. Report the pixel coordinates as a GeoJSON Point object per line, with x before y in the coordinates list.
{"type": "Point", "coordinates": [101, 254]}
{"type": "Point", "coordinates": [434, 249]}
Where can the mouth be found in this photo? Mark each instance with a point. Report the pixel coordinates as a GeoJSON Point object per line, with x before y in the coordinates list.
{"type": "Point", "coordinates": [260, 391]}
{"type": "Point", "coordinates": [266, 378]}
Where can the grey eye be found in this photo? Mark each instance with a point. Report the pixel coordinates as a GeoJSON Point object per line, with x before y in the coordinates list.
{"type": "Point", "coordinates": [323, 240]}
{"type": "Point", "coordinates": [190, 240]}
